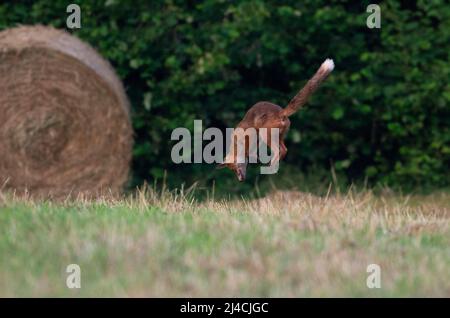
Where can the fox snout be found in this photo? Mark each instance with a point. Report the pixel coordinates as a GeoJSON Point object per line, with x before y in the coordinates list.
{"type": "Point", "coordinates": [240, 175]}
{"type": "Point", "coordinates": [239, 169]}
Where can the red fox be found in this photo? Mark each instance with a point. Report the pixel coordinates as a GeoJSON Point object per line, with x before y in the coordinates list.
{"type": "Point", "coordinates": [269, 116]}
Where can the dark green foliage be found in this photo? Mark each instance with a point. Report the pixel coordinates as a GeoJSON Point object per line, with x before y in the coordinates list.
{"type": "Point", "coordinates": [382, 116]}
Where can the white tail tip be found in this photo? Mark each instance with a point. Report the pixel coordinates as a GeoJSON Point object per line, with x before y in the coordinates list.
{"type": "Point", "coordinates": [328, 65]}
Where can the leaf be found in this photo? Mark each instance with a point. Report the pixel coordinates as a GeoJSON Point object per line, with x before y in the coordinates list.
{"type": "Point", "coordinates": [338, 113]}
{"type": "Point", "coordinates": [148, 100]}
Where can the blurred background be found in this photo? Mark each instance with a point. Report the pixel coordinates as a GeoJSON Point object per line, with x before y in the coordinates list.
{"type": "Point", "coordinates": [381, 118]}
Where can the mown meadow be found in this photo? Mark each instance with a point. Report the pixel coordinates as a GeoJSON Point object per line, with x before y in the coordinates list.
{"type": "Point", "coordinates": [287, 243]}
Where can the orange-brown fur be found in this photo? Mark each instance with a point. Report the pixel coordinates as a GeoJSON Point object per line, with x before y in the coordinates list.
{"type": "Point", "coordinates": [268, 115]}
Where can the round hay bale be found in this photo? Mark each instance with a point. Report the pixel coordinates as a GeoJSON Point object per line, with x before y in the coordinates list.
{"type": "Point", "coordinates": [64, 116]}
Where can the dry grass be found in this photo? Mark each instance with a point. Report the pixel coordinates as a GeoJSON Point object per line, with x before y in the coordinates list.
{"type": "Point", "coordinates": [287, 244]}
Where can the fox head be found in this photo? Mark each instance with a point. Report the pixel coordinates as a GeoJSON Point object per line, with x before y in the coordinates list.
{"type": "Point", "coordinates": [240, 169]}
{"type": "Point", "coordinates": [237, 158]}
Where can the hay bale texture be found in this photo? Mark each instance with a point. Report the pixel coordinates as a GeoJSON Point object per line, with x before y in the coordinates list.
{"type": "Point", "coordinates": [64, 116]}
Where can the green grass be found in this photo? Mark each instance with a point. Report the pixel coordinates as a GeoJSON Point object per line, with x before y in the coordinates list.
{"type": "Point", "coordinates": [288, 244]}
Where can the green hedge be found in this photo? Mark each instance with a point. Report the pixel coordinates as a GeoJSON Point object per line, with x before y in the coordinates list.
{"type": "Point", "coordinates": [383, 115]}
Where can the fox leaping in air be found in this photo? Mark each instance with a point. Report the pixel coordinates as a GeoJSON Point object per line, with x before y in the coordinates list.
{"type": "Point", "coordinates": [268, 115]}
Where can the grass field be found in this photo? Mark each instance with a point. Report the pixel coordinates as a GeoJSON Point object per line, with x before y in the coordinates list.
{"type": "Point", "coordinates": [287, 244]}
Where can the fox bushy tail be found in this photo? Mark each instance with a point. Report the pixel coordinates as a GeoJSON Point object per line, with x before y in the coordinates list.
{"type": "Point", "coordinates": [302, 96]}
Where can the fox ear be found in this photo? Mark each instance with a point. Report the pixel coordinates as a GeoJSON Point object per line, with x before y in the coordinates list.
{"type": "Point", "coordinates": [221, 166]}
